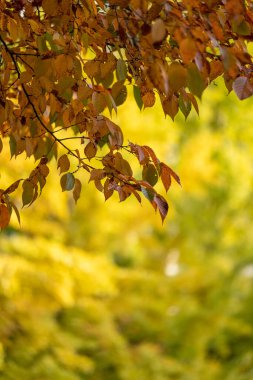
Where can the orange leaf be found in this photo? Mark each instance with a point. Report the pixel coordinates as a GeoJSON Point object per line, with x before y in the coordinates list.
{"type": "Point", "coordinates": [187, 50]}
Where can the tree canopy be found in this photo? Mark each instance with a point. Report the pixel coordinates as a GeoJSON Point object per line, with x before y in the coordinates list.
{"type": "Point", "coordinates": [67, 65]}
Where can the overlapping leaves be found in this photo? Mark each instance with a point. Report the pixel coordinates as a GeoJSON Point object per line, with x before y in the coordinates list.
{"type": "Point", "coordinates": [63, 63]}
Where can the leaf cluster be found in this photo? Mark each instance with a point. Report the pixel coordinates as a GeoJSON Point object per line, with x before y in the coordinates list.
{"type": "Point", "coordinates": [64, 64]}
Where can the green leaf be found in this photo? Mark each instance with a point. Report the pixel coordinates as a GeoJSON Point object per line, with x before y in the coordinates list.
{"type": "Point", "coordinates": [67, 182]}
{"type": "Point", "coordinates": [184, 105]}
{"type": "Point", "coordinates": [148, 193]}
{"type": "Point", "coordinates": [137, 97]}
{"type": "Point", "coordinates": [195, 81]}
{"type": "Point", "coordinates": [150, 174]}
{"type": "Point", "coordinates": [121, 70]}
{"type": "Point", "coordinates": [13, 145]}
{"type": "Point", "coordinates": [28, 190]}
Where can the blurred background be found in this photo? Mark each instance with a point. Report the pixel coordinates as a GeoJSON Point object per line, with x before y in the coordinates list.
{"type": "Point", "coordinates": [103, 291]}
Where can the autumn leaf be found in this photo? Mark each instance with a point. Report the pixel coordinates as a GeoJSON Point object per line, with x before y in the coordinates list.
{"type": "Point", "coordinates": [63, 163]}
{"type": "Point", "coordinates": [243, 88]}
{"type": "Point", "coordinates": [66, 65]}
{"type": "Point", "coordinates": [77, 189]}
{"type": "Point", "coordinates": [67, 182]}
{"type": "Point", "coordinates": [162, 206]}
{"type": "Point", "coordinates": [4, 216]}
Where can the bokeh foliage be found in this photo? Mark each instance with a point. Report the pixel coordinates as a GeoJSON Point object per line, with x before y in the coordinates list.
{"type": "Point", "coordinates": [103, 291]}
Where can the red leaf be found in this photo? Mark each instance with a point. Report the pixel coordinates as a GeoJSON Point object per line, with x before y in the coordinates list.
{"type": "Point", "coordinates": [4, 216]}
{"type": "Point", "coordinates": [152, 155]}
{"type": "Point", "coordinates": [165, 176]}
{"type": "Point", "coordinates": [167, 171]}
{"type": "Point", "coordinates": [163, 206]}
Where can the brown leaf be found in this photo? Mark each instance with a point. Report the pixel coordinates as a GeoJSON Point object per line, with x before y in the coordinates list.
{"type": "Point", "coordinates": [96, 174]}
{"type": "Point", "coordinates": [243, 88]}
{"type": "Point", "coordinates": [165, 176]}
{"type": "Point", "coordinates": [158, 31]}
{"type": "Point", "coordinates": [108, 189]}
{"type": "Point", "coordinates": [4, 216]}
{"type": "Point", "coordinates": [77, 189]}
{"type": "Point", "coordinates": [63, 163]}
{"type": "Point", "coordinates": [90, 150]}
{"type": "Point", "coordinates": [177, 76]}
{"type": "Point", "coordinates": [148, 99]}
{"type": "Point", "coordinates": [187, 49]}
{"type": "Point", "coordinates": [12, 188]}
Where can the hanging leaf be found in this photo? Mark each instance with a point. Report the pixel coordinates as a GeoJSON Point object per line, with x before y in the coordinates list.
{"type": "Point", "coordinates": [243, 88]}
{"type": "Point", "coordinates": [150, 174]}
{"type": "Point", "coordinates": [90, 150]}
{"type": "Point", "coordinates": [162, 205]}
{"type": "Point", "coordinates": [165, 176]}
{"type": "Point", "coordinates": [28, 192]}
{"type": "Point", "coordinates": [63, 163]}
{"type": "Point", "coordinates": [77, 189]}
{"type": "Point", "coordinates": [195, 81]}
{"type": "Point", "coordinates": [137, 97]}
{"type": "Point", "coordinates": [16, 212]}
{"type": "Point", "coordinates": [121, 70]}
{"type": "Point", "coordinates": [148, 99]}
{"type": "Point", "coordinates": [67, 182]}
{"type": "Point", "coordinates": [4, 216]}
{"type": "Point", "coordinates": [167, 171]}
{"type": "Point", "coordinates": [177, 76]}
{"type": "Point", "coordinates": [12, 188]}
